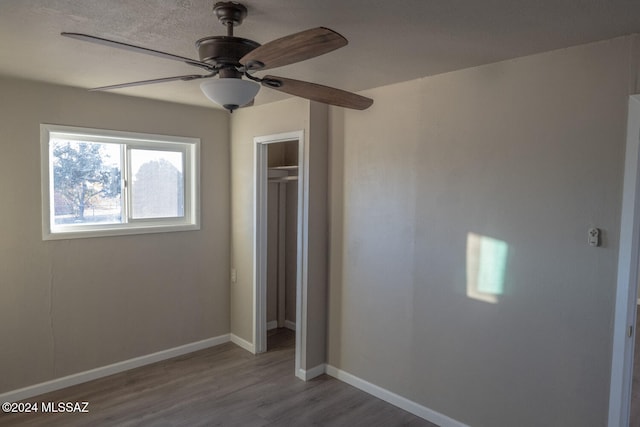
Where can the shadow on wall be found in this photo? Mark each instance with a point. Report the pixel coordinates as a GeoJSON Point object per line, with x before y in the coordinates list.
{"type": "Point", "coordinates": [486, 267]}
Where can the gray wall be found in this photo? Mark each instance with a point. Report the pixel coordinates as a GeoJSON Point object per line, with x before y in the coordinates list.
{"type": "Point", "coordinates": [285, 116]}
{"type": "Point", "coordinates": [291, 249]}
{"type": "Point", "coordinates": [528, 152]}
{"type": "Point", "coordinates": [247, 123]}
{"type": "Point", "coordinates": [272, 251]}
{"type": "Point", "coordinates": [72, 305]}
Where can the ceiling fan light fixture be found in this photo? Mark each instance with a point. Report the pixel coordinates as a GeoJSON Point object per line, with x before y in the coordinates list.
{"type": "Point", "coordinates": [230, 93]}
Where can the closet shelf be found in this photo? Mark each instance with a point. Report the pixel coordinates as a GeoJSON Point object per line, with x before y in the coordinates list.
{"type": "Point", "coordinates": [293, 167]}
{"type": "Point", "coordinates": [284, 179]}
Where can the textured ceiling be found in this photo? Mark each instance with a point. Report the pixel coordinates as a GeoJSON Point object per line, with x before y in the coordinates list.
{"type": "Point", "coordinates": [389, 41]}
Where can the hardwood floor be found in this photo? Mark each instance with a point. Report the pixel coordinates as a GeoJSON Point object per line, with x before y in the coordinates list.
{"type": "Point", "coordinates": [220, 386]}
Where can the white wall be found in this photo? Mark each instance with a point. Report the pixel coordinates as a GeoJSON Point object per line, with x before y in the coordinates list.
{"type": "Point", "coordinates": [68, 306]}
{"type": "Point", "coordinates": [527, 151]}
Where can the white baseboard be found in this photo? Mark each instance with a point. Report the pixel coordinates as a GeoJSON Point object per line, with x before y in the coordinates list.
{"type": "Point", "coordinates": [290, 325]}
{"type": "Point", "coordinates": [310, 374]}
{"type": "Point", "coordinates": [125, 365]}
{"type": "Point", "coordinates": [394, 399]}
{"type": "Point", "coordinates": [272, 325]}
{"type": "Point", "coordinates": [243, 343]}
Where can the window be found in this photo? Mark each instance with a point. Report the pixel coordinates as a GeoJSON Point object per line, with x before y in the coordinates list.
{"type": "Point", "coordinates": [105, 183]}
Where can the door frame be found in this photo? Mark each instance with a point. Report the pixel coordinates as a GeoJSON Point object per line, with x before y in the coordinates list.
{"type": "Point", "coordinates": [627, 282]}
{"type": "Point", "coordinates": [261, 145]}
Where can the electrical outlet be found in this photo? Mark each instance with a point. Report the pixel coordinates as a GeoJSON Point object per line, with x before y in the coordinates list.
{"type": "Point", "coordinates": [234, 275]}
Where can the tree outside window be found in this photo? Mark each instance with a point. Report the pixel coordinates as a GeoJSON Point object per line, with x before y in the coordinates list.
{"type": "Point", "coordinates": [87, 182]}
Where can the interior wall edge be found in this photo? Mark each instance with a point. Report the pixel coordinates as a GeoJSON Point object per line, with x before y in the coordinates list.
{"type": "Point", "coordinates": [241, 342]}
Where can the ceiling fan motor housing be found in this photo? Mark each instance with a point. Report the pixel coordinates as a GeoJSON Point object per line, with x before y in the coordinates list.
{"type": "Point", "coordinates": [224, 51]}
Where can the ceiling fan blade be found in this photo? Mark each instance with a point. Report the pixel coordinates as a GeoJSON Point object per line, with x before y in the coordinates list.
{"type": "Point", "coordinates": [293, 48]}
{"type": "Point", "coordinates": [133, 48]}
{"type": "Point", "coordinates": [316, 92]}
{"type": "Point", "coordinates": [153, 81]}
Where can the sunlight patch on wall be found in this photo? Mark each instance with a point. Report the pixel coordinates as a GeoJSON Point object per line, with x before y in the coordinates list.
{"type": "Point", "coordinates": [486, 266]}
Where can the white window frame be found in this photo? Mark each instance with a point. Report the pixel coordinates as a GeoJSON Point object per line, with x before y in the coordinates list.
{"type": "Point", "coordinates": [190, 147]}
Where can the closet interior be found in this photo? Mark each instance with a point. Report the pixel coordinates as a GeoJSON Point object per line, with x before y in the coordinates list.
{"type": "Point", "coordinates": [282, 227]}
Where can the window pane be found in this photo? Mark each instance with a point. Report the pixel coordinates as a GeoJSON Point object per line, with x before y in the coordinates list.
{"type": "Point", "coordinates": [86, 182]}
{"type": "Point", "coordinates": [99, 182]}
{"type": "Point", "coordinates": [157, 188]}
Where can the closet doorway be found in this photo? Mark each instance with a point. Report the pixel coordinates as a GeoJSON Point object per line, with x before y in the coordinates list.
{"type": "Point", "coordinates": [280, 269]}
{"type": "Point", "coordinates": [282, 234]}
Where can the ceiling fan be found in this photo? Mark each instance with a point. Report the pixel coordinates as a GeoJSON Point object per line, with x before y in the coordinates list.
{"type": "Point", "coordinates": [229, 62]}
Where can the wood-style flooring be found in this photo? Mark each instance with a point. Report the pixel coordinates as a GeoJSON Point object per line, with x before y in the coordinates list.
{"type": "Point", "coordinates": [220, 386]}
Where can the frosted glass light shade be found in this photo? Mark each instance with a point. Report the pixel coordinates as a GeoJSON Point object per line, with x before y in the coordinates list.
{"type": "Point", "coordinates": [231, 93]}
